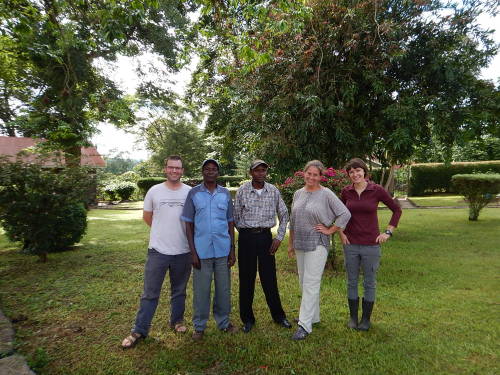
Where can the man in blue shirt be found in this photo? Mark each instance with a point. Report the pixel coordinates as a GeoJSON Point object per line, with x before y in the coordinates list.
{"type": "Point", "coordinates": [208, 214]}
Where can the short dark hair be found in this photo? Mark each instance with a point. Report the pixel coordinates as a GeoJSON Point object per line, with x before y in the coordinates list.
{"type": "Point", "coordinates": [172, 157]}
{"type": "Point", "coordinates": [356, 163]}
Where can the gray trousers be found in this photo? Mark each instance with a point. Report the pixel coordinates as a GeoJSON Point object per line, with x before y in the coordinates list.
{"type": "Point", "coordinates": [368, 258]}
{"type": "Point", "coordinates": [202, 282]}
{"type": "Point", "coordinates": [156, 268]}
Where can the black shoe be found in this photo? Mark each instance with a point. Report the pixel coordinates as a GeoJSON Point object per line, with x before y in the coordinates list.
{"type": "Point", "coordinates": [247, 327]}
{"type": "Point", "coordinates": [284, 323]}
{"type": "Point", "coordinates": [364, 324]}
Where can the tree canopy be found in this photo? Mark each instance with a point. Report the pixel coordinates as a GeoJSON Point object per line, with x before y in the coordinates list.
{"type": "Point", "coordinates": [331, 80]}
{"type": "Point", "coordinates": [50, 84]}
{"type": "Point", "coordinates": [177, 134]}
{"type": "Point", "coordinates": [284, 80]}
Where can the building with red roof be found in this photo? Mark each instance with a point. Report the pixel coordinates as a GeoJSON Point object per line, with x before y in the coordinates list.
{"type": "Point", "coordinates": [12, 146]}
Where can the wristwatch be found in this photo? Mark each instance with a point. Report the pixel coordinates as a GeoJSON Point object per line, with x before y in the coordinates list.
{"type": "Point", "coordinates": [387, 231]}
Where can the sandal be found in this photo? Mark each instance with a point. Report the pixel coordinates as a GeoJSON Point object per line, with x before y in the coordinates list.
{"type": "Point", "coordinates": [132, 340]}
{"type": "Point", "coordinates": [179, 328]}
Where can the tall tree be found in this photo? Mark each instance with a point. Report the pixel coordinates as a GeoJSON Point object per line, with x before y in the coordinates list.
{"type": "Point", "coordinates": [61, 42]}
{"type": "Point", "coordinates": [176, 134]}
{"type": "Point", "coordinates": [295, 81]}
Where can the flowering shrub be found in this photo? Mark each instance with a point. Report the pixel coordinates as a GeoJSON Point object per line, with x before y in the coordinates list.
{"type": "Point", "coordinates": [119, 189]}
{"type": "Point", "coordinates": [333, 179]}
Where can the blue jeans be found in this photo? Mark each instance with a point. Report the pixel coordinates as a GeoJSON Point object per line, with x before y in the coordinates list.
{"type": "Point", "coordinates": [202, 282]}
{"type": "Point", "coordinates": [156, 268]}
{"type": "Point", "coordinates": [368, 257]}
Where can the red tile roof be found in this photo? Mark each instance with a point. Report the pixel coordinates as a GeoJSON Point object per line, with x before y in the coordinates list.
{"type": "Point", "coordinates": [11, 146]}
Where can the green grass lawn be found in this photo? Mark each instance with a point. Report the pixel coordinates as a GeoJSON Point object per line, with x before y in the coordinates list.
{"type": "Point", "coordinates": [436, 312]}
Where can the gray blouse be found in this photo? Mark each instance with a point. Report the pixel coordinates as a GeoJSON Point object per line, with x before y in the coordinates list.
{"type": "Point", "coordinates": [311, 208]}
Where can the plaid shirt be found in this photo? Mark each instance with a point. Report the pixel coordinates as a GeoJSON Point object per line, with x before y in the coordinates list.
{"type": "Point", "coordinates": [252, 210]}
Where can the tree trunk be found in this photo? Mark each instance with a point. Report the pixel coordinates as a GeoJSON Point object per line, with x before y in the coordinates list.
{"type": "Point", "coordinates": [332, 255]}
{"type": "Point", "coordinates": [42, 257]}
{"type": "Point", "coordinates": [73, 156]}
{"type": "Point", "coordinates": [389, 184]}
{"type": "Point", "coordinates": [382, 176]}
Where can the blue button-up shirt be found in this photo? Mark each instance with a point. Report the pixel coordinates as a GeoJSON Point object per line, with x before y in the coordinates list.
{"type": "Point", "coordinates": [210, 214]}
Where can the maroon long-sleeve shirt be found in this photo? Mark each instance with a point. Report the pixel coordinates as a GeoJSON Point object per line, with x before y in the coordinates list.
{"type": "Point", "coordinates": [363, 228]}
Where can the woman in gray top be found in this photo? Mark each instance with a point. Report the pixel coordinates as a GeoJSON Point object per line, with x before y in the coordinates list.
{"type": "Point", "coordinates": [317, 213]}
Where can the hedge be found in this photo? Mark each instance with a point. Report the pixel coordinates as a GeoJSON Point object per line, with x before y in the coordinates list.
{"type": "Point", "coordinates": [146, 183]}
{"type": "Point", "coordinates": [436, 177]}
{"type": "Point", "coordinates": [478, 189]}
{"type": "Point", "coordinates": [233, 181]}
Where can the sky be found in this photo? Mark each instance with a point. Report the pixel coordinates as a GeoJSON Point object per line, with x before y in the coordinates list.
{"type": "Point", "coordinates": [111, 140]}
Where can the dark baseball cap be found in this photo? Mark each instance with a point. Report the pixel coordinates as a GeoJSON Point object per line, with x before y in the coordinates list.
{"type": "Point", "coordinates": [256, 163]}
{"type": "Point", "coordinates": [210, 161]}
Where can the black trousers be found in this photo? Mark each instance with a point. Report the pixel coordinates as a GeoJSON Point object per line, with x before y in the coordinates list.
{"type": "Point", "coordinates": [253, 252]}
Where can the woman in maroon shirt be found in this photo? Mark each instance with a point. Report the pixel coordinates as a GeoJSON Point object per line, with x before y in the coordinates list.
{"type": "Point", "coordinates": [362, 239]}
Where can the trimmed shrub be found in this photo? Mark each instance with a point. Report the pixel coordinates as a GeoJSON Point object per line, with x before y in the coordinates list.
{"type": "Point", "coordinates": [110, 192]}
{"type": "Point", "coordinates": [124, 189]}
{"type": "Point", "coordinates": [478, 189]}
{"type": "Point", "coordinates": [147, 182]}
{"type": "Point", "coordinates": [41, 207]}
{"type": "Point", "coordinates": [193, 181]}
{"type": "Point", "coordinates": [436, 177]}
{"type": "Point", "coordinates": [233, 181]}
{"type": "Point", "coordinates": [63, 227]}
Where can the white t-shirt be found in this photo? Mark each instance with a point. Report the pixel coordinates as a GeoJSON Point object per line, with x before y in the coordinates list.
{"type": "Point", "coordinates": [168, 232]}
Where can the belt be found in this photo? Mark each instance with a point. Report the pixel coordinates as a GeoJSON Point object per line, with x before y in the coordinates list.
{"type": "Point", "coordinates": [254, 230]}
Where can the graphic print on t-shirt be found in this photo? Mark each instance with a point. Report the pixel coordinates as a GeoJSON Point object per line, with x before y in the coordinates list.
{"type": "Point", "coordinates": [171, 203]}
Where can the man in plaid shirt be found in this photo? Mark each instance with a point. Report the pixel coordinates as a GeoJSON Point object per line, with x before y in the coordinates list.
{"type": "Point", "coordinates": [256, 206]}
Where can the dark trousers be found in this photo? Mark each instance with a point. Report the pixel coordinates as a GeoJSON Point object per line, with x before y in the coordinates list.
{"type": "Point", "coordinates": [253, 251]}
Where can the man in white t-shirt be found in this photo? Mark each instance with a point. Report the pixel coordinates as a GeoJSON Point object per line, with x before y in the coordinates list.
{"type": "Point", "coordinates": [168, 250]}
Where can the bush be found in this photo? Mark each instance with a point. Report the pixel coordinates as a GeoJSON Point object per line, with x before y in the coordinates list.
{"type": "Point", "coordinates": [193, 181]}
{"type": "Point", "coordinates": [478, 189]}
{"type": "Point", "coordinates": [110, 192]}
{"type": "Point", "coordinates": [129, 176]}
{"type": "Point", "coordinates": [436, 177]}
{"type": "Point", "coordinates": [42, 207]}
{"type": "Point", "coordinates": [233, 181]}
{"type": "Point", "coordinates": [122, 190]}
{"type": "Point", "coordinates": [376, 174]}
{"type": "Point", "coordinates": [147, 182]}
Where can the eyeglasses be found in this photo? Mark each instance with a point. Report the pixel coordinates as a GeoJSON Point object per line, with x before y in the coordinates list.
{"type": "Point", "coordinates": [208, 169]}
{"type": "Point", "coordinates": [173, 168]}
